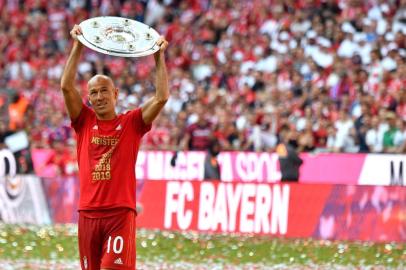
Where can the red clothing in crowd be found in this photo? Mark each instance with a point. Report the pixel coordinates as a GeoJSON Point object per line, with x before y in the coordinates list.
{"type": "Point", "coordinates": [199, 136]}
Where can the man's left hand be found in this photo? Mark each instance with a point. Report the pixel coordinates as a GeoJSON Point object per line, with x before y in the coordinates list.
{"type": "Point", "coordinates": [163, 44]}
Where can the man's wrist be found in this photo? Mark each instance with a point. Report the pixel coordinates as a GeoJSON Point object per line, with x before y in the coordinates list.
{"type": "Point", "coordinates": [77, 44]}
{"type": "Point", "coordinates": [159, 60]}
{"type": "Point", "coordinates": [159, 56]}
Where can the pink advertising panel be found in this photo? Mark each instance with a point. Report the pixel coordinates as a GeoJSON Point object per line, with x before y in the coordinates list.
{"type": "Point", "coordinates": [326, 168]}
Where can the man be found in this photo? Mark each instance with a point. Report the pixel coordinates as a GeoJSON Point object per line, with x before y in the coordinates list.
{"type": "Point", "coordinates": [289, 160]}
{"type": "Point", "coordinates": [389, 136]}
{"type": "Point", "coordinates": [199, 134]}
{"type": "Point", "coordinates": [107, 147]}
{"type": "Point", "coordinates": [374, 136]}
{"type": "Point", "coordinates": [211, 164]}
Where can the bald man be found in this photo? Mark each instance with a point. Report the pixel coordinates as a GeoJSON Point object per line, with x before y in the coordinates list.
{"type": "Point", "coordinates": [107, 147]}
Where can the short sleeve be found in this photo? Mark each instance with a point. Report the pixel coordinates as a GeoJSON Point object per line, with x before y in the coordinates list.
{"type": "Point", "coordinates": [80, 122]}
{"type": "Point", "coordinates": [138, 122]}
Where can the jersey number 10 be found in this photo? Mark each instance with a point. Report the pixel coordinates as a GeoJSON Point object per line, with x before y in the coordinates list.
{"type": "Point", "coordinates": [118, 244]}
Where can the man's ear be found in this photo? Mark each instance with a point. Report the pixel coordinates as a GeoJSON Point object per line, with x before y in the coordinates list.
{"type": "Point", "coordinates": [116, 93]}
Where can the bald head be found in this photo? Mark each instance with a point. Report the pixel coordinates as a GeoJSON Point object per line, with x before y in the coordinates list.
{"type": "Point", "coordinates": [100, 79]}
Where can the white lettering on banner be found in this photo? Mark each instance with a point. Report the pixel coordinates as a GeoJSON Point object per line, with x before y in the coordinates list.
{"type": "Point", "coordinates": [220, 209]}
{"type": "Point", "coordinates": [247, 209]}
{"type": "Point", "coordinates": [155, 165]}
{"type": "Point", "coordinates": [268, 163]}
{"type": "Point", "coordinates": [256, 167]}
{"type": "Point", "coordinates": [263, 208]}
{"type": "Point", "coordinates": [180, 170]}
{"type": "Point", "coordinates": [189, 165]}
{"type": "Point", "coordinates": [375, 169]}
{"type": "Point", "coordinates": [383, 170]}
{"type": "Point", "coordinates": [225, 163]}
{"type": "Point", "coordinates": [171, 173]}
{"type": "Point", "coordinates": [206, 202]}
{"type": "Point", "coordinates": [183, 192]}
{"type": "Point", "coordinates": [245, 166]}
{"type": "Point", "coordinates": [240, 166]}
{"type": "Point", "coordinates": [195, 165]}
{"type": "Point", "coordinates": [233, 198]}
{"type": "Point", "coordinates": [161, 162]}
{"type": "Point", "coordinates": [186, 193]}
{"type": "Point", "coordinates": [280, 208]}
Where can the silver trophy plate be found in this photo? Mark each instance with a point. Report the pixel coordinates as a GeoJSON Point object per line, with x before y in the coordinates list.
{"type": "Point", "coordinates": [119, 36]}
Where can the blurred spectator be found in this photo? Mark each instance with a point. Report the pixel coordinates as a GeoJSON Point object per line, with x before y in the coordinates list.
{"type": "Point", "coordinates": [390, 135]}
{"type": "Point", "coordinates": [288, 158]}
{"type": "Point", "coordinates": [306, 140]}
{"type": "Point", "coordinates": [19, 68]}
{"type": "Point", "coordinates": [344, 126]}
{"type": "Point", "coordinates": [363, 125]}
{"type": "Point", "coordinates": [399, 139]}
{"type": "Point", "coordinates": [211, 165]}
{"type": "Point", "coordinates": [239, 71]}
{"type": "Point", "coordinates": [16, 111]}
{"type": "Point", "coordinates": [374, 137]}
{"type": "Point", "coordinates": [198, 133]}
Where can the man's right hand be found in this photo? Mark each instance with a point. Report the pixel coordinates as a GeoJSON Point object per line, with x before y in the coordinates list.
{"type": "Point", "coordinates": [73, 100]}
{"type": "Point", "coordinates": [75, 32]}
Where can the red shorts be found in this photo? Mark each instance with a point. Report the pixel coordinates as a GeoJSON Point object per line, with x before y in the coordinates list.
{"type": "Point", "coordinates": [107, 239]}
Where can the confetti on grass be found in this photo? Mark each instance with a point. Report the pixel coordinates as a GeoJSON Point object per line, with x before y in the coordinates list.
{"type": "Point", "coordinates": [55, 247]}
{"type": "Point", "coordinates": [232, 249]}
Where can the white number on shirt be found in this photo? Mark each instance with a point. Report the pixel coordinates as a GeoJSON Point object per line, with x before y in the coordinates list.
{"type": "Point", "coordinates": [118, 244]}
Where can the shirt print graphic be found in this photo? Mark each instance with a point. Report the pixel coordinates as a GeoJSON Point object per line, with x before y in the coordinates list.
{"type": "Point", "coordinates": [102, 148]}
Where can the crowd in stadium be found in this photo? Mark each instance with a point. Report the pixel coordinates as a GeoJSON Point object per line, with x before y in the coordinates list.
{"type": "Point", "coordinates": [332, 71]}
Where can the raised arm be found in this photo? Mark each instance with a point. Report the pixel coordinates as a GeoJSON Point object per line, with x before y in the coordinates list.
{"type": "Point", "coordinates": [73, 101]}
{"type": "Point", "coordinates": [154, 105]}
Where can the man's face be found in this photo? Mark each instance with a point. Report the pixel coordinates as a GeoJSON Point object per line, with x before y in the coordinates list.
{"type": "Point", "coordinates": [102, 96]}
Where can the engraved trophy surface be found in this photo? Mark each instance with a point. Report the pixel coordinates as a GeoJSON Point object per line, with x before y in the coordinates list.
{"type": "Point", "coordinates": [118, 36]}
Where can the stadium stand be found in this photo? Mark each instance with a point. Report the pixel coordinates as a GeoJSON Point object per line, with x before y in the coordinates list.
{"type": "Point", "coordinates": [333, 71]}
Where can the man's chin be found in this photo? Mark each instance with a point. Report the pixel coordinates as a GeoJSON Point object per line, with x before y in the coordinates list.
{"type": "Point", "coordinates": [103, 112]}
{"type": "Point", "coordinates": [100, 111]}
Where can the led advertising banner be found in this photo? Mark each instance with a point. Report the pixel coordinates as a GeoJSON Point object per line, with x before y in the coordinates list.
{"type": "Point", "coordinates": [345, 212]}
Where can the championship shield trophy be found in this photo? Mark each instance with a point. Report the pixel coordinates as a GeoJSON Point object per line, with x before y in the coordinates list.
{"type": "Point", "coordinates": [118, 36]}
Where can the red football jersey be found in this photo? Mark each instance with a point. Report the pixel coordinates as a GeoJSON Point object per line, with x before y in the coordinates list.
{"type": "Point", "coordinates": [107, 152]}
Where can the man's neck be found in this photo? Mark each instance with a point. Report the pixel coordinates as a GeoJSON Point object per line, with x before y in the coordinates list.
{"type": "Point", "coordinates": [106, 117]}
